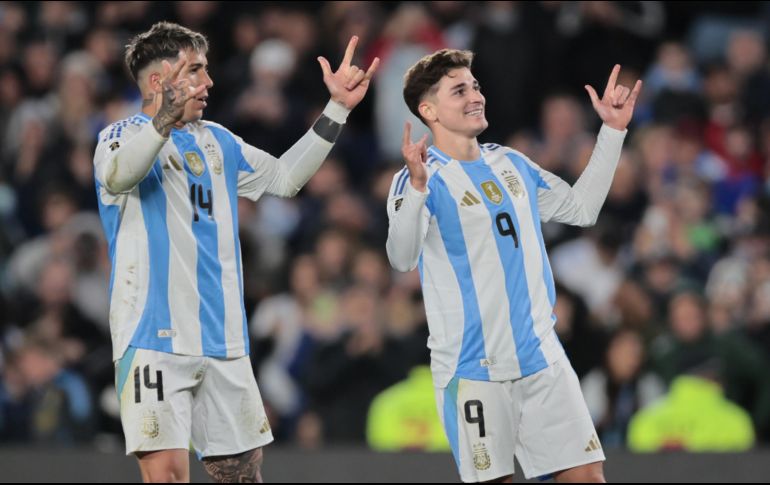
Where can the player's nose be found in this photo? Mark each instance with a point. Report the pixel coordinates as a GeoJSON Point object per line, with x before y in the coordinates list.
{"type": "Point", "coordinates": [208, 81]}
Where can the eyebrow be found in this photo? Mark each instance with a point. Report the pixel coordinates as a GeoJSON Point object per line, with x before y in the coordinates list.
{"type": "Point", "coordinates": [462, 85]}
{"type": "Point", "coordinates": [196, 65]}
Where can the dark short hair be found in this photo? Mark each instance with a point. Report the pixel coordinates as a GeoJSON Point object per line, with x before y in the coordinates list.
{"type": "Point", "coordinates": [423, 77]}
{"type": "Point", "coordinates": [163, 41]}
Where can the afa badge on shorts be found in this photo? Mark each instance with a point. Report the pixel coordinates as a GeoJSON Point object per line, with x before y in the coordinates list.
{"type": "Point", "coordinates": [481, 459]}
{"type": "Point", "coordinates": [150, 426]}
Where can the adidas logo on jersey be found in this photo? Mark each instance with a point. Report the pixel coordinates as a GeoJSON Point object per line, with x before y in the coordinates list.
{"type": "Point", "coordinates": [469, 199]}
{"type": "Point", "coordinates": [593, 444]}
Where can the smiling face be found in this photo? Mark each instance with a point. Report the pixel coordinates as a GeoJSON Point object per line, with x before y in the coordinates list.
{"type": "Point", "coordinates": [457, 105]}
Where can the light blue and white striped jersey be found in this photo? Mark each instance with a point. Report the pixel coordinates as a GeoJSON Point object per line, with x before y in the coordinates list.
{"type": "Point", "coordinates": [176, 283]}
{"type": "Point", "coordinates": [487, 284]}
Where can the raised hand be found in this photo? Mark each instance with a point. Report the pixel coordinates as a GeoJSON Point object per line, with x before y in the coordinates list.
{"type": "Point", "coordinates": [617, 105]}
{"type": "Point", "coordinates": [415, 155]}
{"type": "Point", "coordinates": [349, 84]}
{"type": "Point", "coordinates": [176, 93]}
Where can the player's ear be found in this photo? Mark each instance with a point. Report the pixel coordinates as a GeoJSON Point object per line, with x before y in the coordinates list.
{"type": "Point", "coordinates": [154, 82]}
{"type": "Point", "coordinates": [427, 111]}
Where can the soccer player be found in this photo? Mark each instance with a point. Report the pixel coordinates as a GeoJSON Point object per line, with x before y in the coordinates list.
{"type": "Point", "coordinates": [469, 216]}
{"type": "Point", "coordinates": [167, 184]}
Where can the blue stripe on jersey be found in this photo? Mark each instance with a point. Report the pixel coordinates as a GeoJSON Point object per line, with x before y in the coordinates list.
{"type": "Point", "coordinates": [404, 171]}
{"type": "Point", "coordinates": [156, 314]}
{"type": "Point", "coordinates": [232, 151]}
{"type": "Point", "coordinates": [403, 183]}
{"type": "Point", "coordinates": [450, 418]}
{"type": "Point", "coordinates": [532, 183]}
{"type": "Point", "coordinates": [438, 154]}
{"type": "Point", "coordinates": [472, 349]}
{"type": "Point", "coordinates": [110, 216]}
{"type": "Point", "coordinates": [212, 299]}
{"type": "Point", "coordinates": [420, 268]}
{"type": "Point", "coordinates": [528, 351]}
{"type": "Point", "coordinates": [124, 368]}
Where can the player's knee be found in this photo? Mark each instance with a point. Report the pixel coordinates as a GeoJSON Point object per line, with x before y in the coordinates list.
{"type": "Point", "coordinates": [595, 476]}
{"type": "Point", "coordinates": [593, 473]}
{"type": "Point", "coordinates": [168, 475]}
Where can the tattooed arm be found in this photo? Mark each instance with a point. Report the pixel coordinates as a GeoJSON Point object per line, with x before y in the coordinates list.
{"type": "Point", "coordinates": [120, 166]}
{"type": "Point", "coordinates": [243, 468]}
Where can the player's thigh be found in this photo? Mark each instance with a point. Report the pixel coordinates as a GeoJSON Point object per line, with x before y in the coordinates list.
{"type": "Point", "coordinates": [556, 432]}
{"type": "Point", "coordinates": [229, 417]}
{"type": "Point", "coordinates": [165, 466]}
{"type": "Point", "coordinates": [479, 419]}
{"type": "Point", "coordinates": [155, 394]}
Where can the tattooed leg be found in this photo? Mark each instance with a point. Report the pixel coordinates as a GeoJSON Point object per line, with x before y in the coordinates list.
{"type": "Point", "coordinates": [243, 468]}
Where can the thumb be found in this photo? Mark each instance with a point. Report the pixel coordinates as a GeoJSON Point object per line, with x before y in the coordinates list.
{"type": "Point", "coordinates": [594, 97]}
{"type": "Point", "coordinates": [325, 67]}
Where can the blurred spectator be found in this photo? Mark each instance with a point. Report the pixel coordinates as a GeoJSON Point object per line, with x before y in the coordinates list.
{"type": "Point", "coordinates": [739, 364]}
{"type": "Point", "coordinates": [581, 338]}
{"type": "Point", "coordinates": [404, 416]}
{"type": "Point", "coordinates": [409, 35]}
{"type": "Point", "coordinates": [617, 390]}
{"type": "Point", "coordinates": [694, 416]}
{"type": "Point", "coordinates": [40, 400]}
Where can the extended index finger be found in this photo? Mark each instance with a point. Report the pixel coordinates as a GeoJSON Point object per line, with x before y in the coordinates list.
{"type": "Point", "coordinates": [612, 80]}
{"type": "Point", "coordinates": [178, 66]}
{"type": "Point", "coordinates": [351, 49]}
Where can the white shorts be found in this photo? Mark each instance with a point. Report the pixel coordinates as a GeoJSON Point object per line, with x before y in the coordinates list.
{"type": "Point", "coordinates": [168, 401]}
{"type": "Point", "coordinates": [542, 419]}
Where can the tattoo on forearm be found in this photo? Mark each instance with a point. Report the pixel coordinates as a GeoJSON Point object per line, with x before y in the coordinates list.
{"type": "Point", "coordinates": [243, 468]}
{"type": "Point", "coordinates": [163, 122]}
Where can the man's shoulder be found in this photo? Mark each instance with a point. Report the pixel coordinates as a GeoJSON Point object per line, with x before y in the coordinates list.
{"type": "Point", "coordinates": [219, 131]}
{"type": "Point", "coordinates": [126, 125]}
{"type": "Point", "coordinates": [493, 147]}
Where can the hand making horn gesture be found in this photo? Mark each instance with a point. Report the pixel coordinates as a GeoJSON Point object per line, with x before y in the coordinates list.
{"type": "Point", "coordinates": [349, 84]}
{"type": "Point", "coordinates": [617, 105]}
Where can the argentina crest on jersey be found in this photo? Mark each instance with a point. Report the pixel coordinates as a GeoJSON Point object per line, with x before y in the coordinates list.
{"type": "Point", "coordinates": [513, 183]}
{"type": "Point", "coordinates": [212, 155]}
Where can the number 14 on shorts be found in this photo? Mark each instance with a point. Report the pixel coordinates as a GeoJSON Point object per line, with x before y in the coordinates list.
{"type": "Point", "coordinates": [157, 385]}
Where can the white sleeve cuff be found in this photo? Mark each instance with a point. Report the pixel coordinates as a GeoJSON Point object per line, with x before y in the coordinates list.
{"type": "Point", "coordinates": [414, 193]}
{"type": "Point", "coordinates": [336, 112]}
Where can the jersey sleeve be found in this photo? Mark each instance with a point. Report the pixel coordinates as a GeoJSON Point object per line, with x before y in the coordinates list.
{"type": "Point", "coordinates": [125, 154]}
{"type": "Point", "coordinates": [408, 221]}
